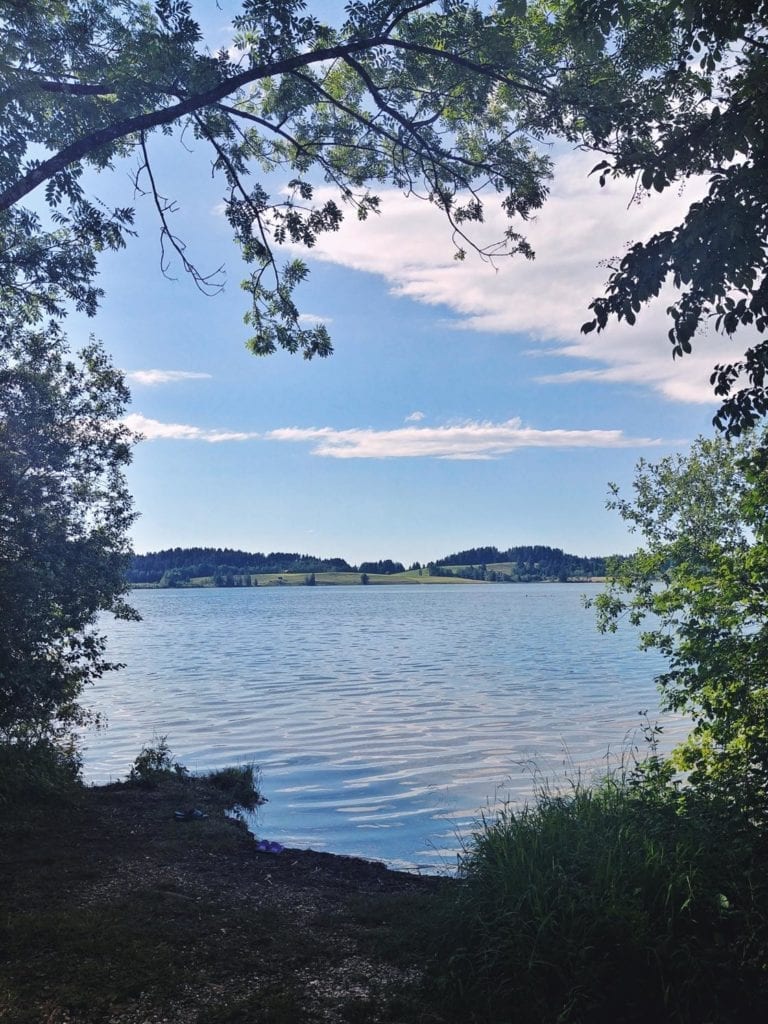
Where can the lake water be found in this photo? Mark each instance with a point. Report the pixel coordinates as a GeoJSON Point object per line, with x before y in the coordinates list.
{"type": "Point", "coordinates": [384, 719]}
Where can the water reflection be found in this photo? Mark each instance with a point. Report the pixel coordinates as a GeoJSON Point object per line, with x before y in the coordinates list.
{"type": "Point", "coordinates": [383, 718]}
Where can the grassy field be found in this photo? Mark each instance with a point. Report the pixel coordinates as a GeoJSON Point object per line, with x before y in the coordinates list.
{"type": "Point", "coordinates": [335, 579]}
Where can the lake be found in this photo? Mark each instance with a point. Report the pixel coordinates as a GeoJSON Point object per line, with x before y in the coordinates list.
{"type": "Point", "coordinates": [384, 719]}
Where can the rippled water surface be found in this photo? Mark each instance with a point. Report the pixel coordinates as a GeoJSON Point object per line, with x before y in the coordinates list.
{"type": "Point", "coordinates": [383, 718]}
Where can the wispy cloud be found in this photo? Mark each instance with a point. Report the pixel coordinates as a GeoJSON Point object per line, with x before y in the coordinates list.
{"type": "Point", "coordinates": [415, 417]}
{"type": "Point", "coordinates": [546, 300]}
{"type": "Point", "coordinates": [154, 377]}
{"type": "Point", "coordinates": [468, 440]}
{"type": "Point", "coordinates": [156, 430]}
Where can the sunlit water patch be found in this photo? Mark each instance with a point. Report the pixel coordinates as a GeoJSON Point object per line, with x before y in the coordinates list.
{"type": "Point", "coordinates": [384, 719]}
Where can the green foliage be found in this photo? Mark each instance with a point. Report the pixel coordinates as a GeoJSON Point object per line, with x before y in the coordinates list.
{"type": "Point", "coordinates": [35, 773]}
{"type": "Point", "coordinates": [64, 519]}
{"type": "Point", "coordinates": [154, 763]}
{"type": "Point", "coordinates": [700, 108]}
{"type": "Point", "coordinates": [400, 94]}
{"type": "Point", "coordinates": [698, 584]}
{"type": "Point", "coordinates": [618, 902]}
{"type": "Point", "coordinates": [449, 101]}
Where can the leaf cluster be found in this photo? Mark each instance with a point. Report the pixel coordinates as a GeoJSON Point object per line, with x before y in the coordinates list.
{"type": "Point", "coordinates": [698, 586]}
{"type": "Point", "coordinates": [700, 109]}
{"type": "Point", "coordinates": [64, 519]}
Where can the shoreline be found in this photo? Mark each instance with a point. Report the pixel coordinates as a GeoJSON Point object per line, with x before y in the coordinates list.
{"type": "Point", "coordinates": [431, 581]}
{"type": "Point", "coordinates": [117, 912]}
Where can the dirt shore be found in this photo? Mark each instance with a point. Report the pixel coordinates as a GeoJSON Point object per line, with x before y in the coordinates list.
{"type": "Point", "coordinates": [114, 911]}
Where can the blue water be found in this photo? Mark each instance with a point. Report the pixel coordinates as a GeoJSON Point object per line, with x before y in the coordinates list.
{"type": "Point", "coordinates": [384, 719]}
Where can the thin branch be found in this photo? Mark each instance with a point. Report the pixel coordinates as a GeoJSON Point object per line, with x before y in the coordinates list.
{"type": "Point", "coordinates": [373, 89]}
{"type": "Point", "coordinates": [189, 105]}
{"type": "Point", "coordinates": [402, 15]}
{"type": "Point", "coordinates": [205, 282]}
{"type": "Point", "coordinates": [378, 129]}
{"type": "Point", "coordinates": [76, 88]}
{"type": "Point", "coordinates": [300, 147]}
{"type": "Point", "coordinates": [485, 70]}
{"type": "Point", "coordinates": [236, 184]}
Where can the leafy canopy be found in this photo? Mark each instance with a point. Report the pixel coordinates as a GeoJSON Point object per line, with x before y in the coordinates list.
{"type": "Point", "coordinates": [699, 583]}
{"type": "Point", "coordinates": [702, 110]}
{"type": "Point", "coordinates": [444, 100]}
{"type": "Point", "coordinates": [402, 93]}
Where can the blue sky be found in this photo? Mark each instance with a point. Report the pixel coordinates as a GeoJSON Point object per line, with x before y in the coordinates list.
{"type": "Point", "coordinates": [461, 406]}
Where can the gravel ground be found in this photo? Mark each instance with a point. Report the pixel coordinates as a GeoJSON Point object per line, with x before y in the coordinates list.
{"type": "Point", "coordinates": [113, 911]}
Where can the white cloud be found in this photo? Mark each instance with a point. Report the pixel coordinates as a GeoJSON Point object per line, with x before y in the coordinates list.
{"type": "Point", "coordinates": [153, 377]}
{"type": "Point", "coordinates": [312, 319]}
{"type": "Point", "coordinates": [415, 417]}
{"type": "Point", "coordinates": [468, 440]}
{"type": "Point", "coordinates": [580, 226]}
{"type": "Point", "coordinates": [156, 430]}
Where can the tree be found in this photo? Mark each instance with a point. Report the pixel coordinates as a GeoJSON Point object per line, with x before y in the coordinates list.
{"type": "Point", "coordinates": [702, 109]}
{"type": "Point", "coordinates": [401, 93]}
{"type": "Point", "coordinates": [64, 519]}
{"type": "Point", "coordinates": [440, 99]}
{"type": "Point", "coordinates": [700, 585]}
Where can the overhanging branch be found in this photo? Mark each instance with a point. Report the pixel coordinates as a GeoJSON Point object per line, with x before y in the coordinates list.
{"type": "Point", "coordinates": [126, 127]}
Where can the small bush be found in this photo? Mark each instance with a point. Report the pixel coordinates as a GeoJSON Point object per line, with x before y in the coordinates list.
{"type": "Point", "coordinates": [154, 763]}
{"type": "Point", "coordinates": [619, 902]}
{"type": "Point", "coordinates": [37, 771]}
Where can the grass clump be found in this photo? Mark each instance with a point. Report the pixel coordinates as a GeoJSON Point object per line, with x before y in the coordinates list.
{"type": "Point", "coordinates": [624, 901]}
{"type": "Point", "coordinates": [157, 764]}
{"type": "Point", "coordinates": [239, 782]}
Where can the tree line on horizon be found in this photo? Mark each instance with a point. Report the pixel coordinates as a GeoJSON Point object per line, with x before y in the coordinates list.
{"type": "Point", "coordinates": [183, 564]}
{"type": "Point", "coordinates": [531, 561]}
{"type": "Point", "coordinates": [175, 566]}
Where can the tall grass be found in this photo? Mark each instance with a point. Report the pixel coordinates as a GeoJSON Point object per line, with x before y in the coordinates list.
{"type": "Point", "coordinates": [620, 902]}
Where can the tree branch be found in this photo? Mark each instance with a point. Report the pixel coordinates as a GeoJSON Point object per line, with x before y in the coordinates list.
{"type": "Point", "coordinates": [402, 15]}
{"type": "Point", "coordinates": [485, 70]}
{"type": "Point", "coordinates": [373, 89]}
{"type": "Point", "coordinates": [189, 105]}
{"type": "Point", "coordinates": [207, 283]}
{"type": "Point", "coordinates": [236, 184]}
{"type": "Point", "coordinates": [77, 88]}
{"type": "Point", "coordinates": [144, 122]}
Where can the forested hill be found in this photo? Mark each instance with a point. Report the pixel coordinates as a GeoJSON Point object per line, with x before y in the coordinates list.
{"type": "Point", "coordinates": [232, 567]}
{"type": "Point", "coordinates": [526, 562]}
{"type": "Point", "coordinates": [191, 563]}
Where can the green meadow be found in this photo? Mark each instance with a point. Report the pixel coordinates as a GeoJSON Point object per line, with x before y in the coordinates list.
{"type": "Point", "coordinates": [333, 579]}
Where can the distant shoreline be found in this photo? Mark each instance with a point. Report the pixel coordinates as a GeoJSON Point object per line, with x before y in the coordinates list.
{"type": "Point", "coordinates": [333, 580]}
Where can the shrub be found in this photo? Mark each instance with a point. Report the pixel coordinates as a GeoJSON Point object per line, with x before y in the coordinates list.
{"type": "Point", "coordinates": [154, 763]}
{"type": "Point", "coordinates": [37, 771]}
